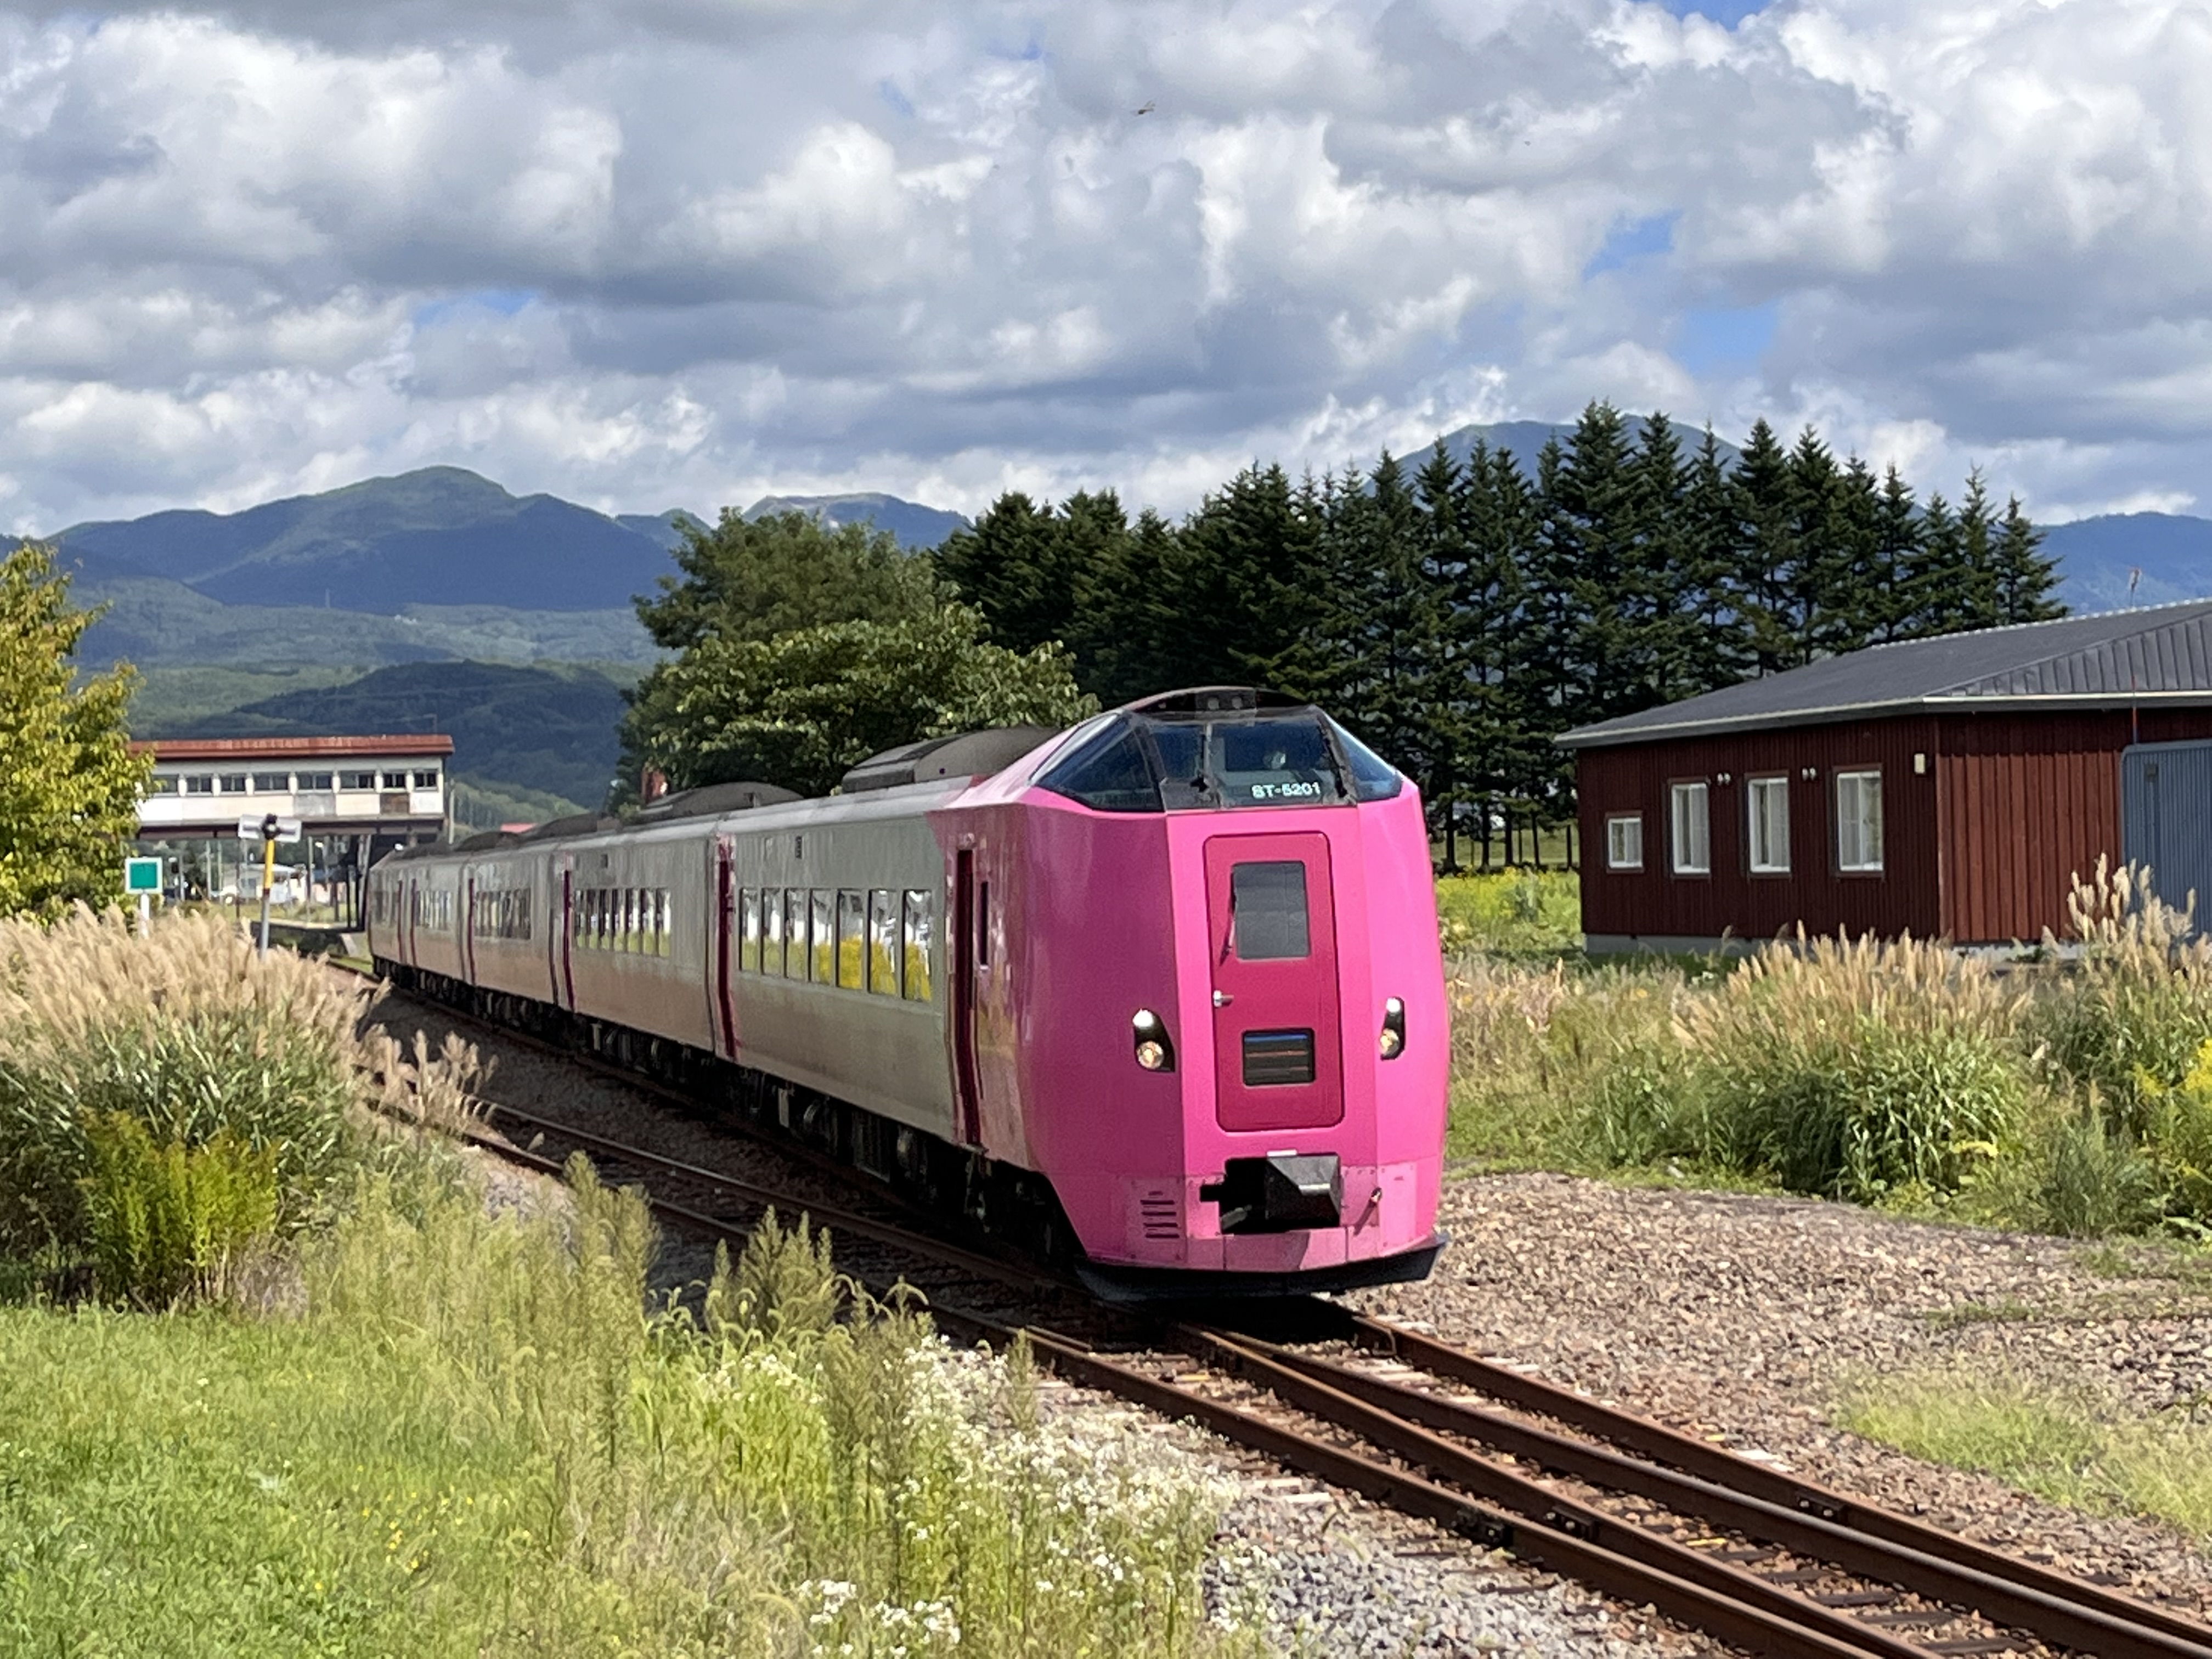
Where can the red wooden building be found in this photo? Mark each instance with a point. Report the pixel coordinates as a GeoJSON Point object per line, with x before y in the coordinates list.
{"type": "Point", "coordinates": [1947, 787]}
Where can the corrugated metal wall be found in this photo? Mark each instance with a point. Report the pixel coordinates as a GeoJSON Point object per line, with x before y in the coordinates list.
{"type": "Point", "coordinates": [2027, 800]}
{"type": "Point", "coordinates": [1635, 778]}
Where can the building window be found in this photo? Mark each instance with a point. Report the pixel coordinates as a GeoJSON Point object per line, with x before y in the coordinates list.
{"type": "Point", "coordinates": [358, 781]}
{"type": "Point", "coordinates": [272, 783]}
{"type": "Point", "coordinates": [160, 784]}
{"type": "Point", "coordinates": [426, 779]}
{"type": "Point", "coordinates": [1624, 841]}
{"type": "Point", "coordinates": [1693, 848]}
{"type": "Point", "coordinates": [395, 780]}
{"type": "Point", "coordinates": [233, 783]}
{"type": "Point", "coordinates": [1768, 801]}
{"type": "Point", "coordinates": [200, 783]}
{"type": "Point", "coordinates": [1858, 822]}
{"type": "Point", "coordinates": [314, 780]}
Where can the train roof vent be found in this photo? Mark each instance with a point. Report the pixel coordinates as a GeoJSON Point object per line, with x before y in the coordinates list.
{"type": "Point", "coordinates": [583, 824]}
{"type": "Point", "coordinates": [969, 755]}
{"type": "Point", "coordinates": [1215, 700]}
{"type": "Point", "coordinates": [714, 798]}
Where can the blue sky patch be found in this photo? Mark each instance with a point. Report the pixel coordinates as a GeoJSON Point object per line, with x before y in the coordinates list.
{"type": "Point", "coordinates": [890, 95]}
{"type": "Point", "coordinates": [1726, 13]}
{"type": "Point", "coordinates": [1633, 239]}
{"type": "Point", "coordinates": [504, 301]}
{"type": "Point", "coordinates": [1710, 339]}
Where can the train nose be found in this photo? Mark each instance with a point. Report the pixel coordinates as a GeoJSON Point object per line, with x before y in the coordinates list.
{"type": "Point", "coordinates": [1278, 1193]}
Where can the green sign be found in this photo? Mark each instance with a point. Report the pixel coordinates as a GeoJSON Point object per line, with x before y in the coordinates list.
{"type": "Point", "coordinates": [142, 875]}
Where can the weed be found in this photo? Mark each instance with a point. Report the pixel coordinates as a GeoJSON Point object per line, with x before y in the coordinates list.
{"type": "Point", "coordinates": [166, 1219]}
{"type": "Point", "coordinates": [2071, 1446]}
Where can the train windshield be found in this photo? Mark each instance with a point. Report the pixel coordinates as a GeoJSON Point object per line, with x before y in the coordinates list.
{"type": "Point", "coordinates": [1152, 763]}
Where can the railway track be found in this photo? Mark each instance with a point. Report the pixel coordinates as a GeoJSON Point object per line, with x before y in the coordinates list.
{"type": "Point", "coordinates": [1754, 1556]}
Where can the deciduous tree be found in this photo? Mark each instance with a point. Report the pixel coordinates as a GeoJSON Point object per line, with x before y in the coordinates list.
{"type": "Point", "coordinates": [69, 785]}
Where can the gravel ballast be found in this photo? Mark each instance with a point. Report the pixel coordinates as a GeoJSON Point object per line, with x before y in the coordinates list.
{"type": "Point", "coordinates": [1742, 1319]}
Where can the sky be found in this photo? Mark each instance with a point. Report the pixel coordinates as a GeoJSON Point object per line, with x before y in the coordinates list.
{"type": "Point", "coordinates": [653, 253]}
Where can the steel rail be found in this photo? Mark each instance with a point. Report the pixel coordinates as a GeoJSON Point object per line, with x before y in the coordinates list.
{"type": "Point", "coordinates": [2053, 1617]}
{"type": "Point", "coordinates": [1671, 1447]}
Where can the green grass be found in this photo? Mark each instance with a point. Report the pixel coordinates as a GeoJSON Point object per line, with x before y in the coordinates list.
{"type": "Point", "coordinates": [1518, 914]}
{"type": "Point", "coordinates": [2072, 1448]}
{"type": "Point", "coordinates": [452, 1434]}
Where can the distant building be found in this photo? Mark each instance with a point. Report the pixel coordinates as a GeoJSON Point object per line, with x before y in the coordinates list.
{"type": "Point", "coordinates": [1949, 787]}
{"type": "Point", "coordinates": [356, 798]}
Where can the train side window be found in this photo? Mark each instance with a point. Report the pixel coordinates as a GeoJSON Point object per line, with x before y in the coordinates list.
{"type": "Point", "coordinates": [794, 934]}
{"type": "Point", "coordinates": [769, 959]}
{"type": "Point", "coordinates": [749, 930]}
{"type": "Point", "coordinates": [917, 944]}
{"type": "Point", "coordinates": [852, 939]}
{"type": "Point", "coordinates": [825, 937]}
{"type": "Point", "coordinates": [664, 929]}
{"type": "Point", "coordinates": [983, 923]}
{"type": "Point", "coordinates": [883, 942]}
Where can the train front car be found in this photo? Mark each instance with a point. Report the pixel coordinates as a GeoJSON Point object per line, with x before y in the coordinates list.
{"type": "Point", "coordinates": [1198, 947]}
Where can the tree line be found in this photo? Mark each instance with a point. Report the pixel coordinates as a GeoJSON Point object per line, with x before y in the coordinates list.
{"type": "Point", "coordinates": [1457, 612]}
{"type": "Point", "coordinates": [1460, 613]}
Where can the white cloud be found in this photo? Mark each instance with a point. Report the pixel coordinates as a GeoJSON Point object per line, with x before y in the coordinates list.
{"type": "Point", "coordinates": [688, 251]}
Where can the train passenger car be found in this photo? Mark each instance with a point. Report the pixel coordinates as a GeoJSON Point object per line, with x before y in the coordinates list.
{"type": "Point", "coordinates": [1164, 990]}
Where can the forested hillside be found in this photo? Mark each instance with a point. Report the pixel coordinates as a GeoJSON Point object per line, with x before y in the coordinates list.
{"type": "Point", "coordinates": [1460, 614]}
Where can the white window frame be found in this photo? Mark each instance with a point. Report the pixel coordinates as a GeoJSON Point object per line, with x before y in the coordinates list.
{"type": "Point", "coordinates": [1761, 796]}
{"type": "Point", "coordinates": [1690, 828]}
{"type": "Point", "coordinates": [1618, 857]}
{"type": "Point", "coordinates": [1858, 777]}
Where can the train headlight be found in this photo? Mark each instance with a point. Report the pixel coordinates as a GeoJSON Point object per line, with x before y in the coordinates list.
{"type": "Point", "coordinates": [1155, 1053]}
{"type": "Point", "coordinates": [1392, 1040]}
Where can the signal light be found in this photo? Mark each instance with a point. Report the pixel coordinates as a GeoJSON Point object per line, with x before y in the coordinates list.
{"type": "Point", "coordinates": [1392, 1040]}
{"type": "Point", "coordinates": [1155, 1053]}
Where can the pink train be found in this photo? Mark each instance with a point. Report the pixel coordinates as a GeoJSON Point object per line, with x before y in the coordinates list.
{"type": "Point", "coordinates": [1161, 994]}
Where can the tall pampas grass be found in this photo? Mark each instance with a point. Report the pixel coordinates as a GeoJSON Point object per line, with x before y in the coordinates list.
{"type": "Point", "coordinates": [201, 1041]}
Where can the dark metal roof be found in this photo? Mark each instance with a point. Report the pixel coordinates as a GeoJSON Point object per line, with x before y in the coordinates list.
{"type": "Point", "coordinates": [2161, 654]}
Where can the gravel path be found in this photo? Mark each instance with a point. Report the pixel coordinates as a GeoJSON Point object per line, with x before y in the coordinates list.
{"type": "Point", "coordinates": [1741, 1318]}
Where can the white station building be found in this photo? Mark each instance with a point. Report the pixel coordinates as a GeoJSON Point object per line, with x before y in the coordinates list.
{"type": "Point", "coordinates": [356, 798]}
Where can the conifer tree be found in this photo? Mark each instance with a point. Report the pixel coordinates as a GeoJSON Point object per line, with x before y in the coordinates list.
{"type": "Point", "coordinates": [1901, 601]}
{"type": "Point", "coordinates": [2025, 577]}
{"type": "Point", "coordinates": [1011, 566]}
{"type": "Point", "coordinates": [1766, 585]}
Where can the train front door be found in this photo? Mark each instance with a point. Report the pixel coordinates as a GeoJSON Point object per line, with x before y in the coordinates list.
{"type": "Point", "coordinates": [1272, 924]}
{"type": "Point", "coordinates": [971, 921]}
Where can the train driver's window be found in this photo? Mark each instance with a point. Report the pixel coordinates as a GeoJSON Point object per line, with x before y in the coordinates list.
{"type": "Point", "coordinates": [883, 942]}
{"type": "Point", "coordinates": [825, 937]}
{"type": "Point", "coordinates": [749, 930]}
{"type": "Point", "coordinates": [852, 939]}
{"type": "Point", "coordinates": [918, 931]}
{"type": "Point", "coordinates": [794, 934]}
{"type": "Point", "coordinates": [1268, 911]}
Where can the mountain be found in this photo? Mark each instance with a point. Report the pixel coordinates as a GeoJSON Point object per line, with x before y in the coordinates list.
{"type": "Point", "coordinates": [2172, 551]}
{"type": "Point", "coordinates": [1525, 439]}
{"type": "Point", "coordinates": [917, 526]}
{"type": "Point", "coordinates": [155, 623]}
{"type": "Point", "coordinates": [442, 536]}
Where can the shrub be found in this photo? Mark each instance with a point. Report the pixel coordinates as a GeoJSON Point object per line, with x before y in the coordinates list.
{"type": "Point", "coordinates": [166, 1219]}
{"type": "Point", "coordinates": [1855, 1068]}
{"type": "Point", "coordinates": [2131, 1018]}
{"type": "Point", "coordinates": [2092, 1179]}
{"type": "Point", "coordinates": [191, 1035]}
